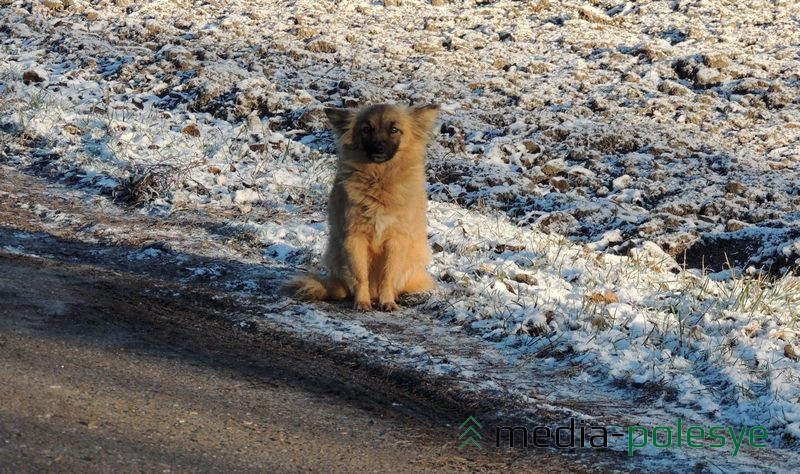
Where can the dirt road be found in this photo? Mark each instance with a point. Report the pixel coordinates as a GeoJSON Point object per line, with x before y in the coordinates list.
{"type": "Point", "coordinates": [98, 372]}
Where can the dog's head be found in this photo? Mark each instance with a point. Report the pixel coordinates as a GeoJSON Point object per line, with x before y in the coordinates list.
{"type": "Point", "coordinates": [378, 132]}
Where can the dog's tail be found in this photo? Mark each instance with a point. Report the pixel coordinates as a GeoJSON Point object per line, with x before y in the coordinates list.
{"type": "Point", "coordinates": [307, 287]}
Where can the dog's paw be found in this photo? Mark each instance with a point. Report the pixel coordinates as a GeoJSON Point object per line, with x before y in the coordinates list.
{"type": "Point", "coordinates": [389, 306]}
{"type": "Point", "coordinates": [362, 306]}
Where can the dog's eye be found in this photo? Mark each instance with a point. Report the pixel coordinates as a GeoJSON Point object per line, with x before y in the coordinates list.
{"type": "Point", "coordinates": [394, 130]}
{"type": "Point", "coordinates": [366, 130]}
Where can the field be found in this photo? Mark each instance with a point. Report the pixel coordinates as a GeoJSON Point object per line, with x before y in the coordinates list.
{"type": "Point", "coordinates": [615, 186]}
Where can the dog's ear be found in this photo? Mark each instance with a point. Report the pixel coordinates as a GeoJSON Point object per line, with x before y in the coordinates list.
{"type": "Point", "coordinates": [341, 119]}
{"type": "Point", "coordinates": [424, 117]}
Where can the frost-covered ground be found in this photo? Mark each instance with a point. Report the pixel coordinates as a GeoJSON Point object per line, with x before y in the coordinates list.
{"type": "Point", "coordinates": [583, 146]}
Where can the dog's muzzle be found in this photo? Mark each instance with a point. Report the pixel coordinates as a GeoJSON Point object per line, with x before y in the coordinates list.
{"type": "Point", "coordinates": [379, 152]}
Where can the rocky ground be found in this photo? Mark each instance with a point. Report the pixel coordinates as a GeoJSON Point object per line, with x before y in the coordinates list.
{"type": "Point", "coordinates": [675, 122]}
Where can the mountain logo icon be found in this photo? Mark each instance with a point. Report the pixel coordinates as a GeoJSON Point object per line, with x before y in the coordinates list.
{"type": "Point", "coordinates": [470, 434]}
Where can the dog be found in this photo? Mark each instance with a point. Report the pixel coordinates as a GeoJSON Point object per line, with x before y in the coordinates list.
{"type": "Point", "coordinates": [378, 241]}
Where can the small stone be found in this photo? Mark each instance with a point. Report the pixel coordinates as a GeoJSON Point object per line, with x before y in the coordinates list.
{"type": "Point", "coordinates": [707, 77]}
{"type": "Point", "coordinates": [657, 49]}
{"type": "Point", "coordinates": [306, 32]}
{"type": "Point", "coordinates": [657, 149]}
{"type": "Point", "coordinates": [790, 352]}
{"type": "Point", "coordinates": [191, 130]}
{"type": "Point", "coordinates": [673, 88]}
{"type": "Point", "coordinates": [525, 278]}
{"type": "Point", "coordinates": [577, 154]}
{"type": "Point", "coordinates": [425, 48]}
{"type": "Point", "coordinates": [750, 86]}
{"type": "Point", "coordinates": [630, 77]}
{"type": "Point", "coordinates": [554, 166]}
{"type": "Point", "coordinates": [536, 176]}
{"type": "Point", "coordinates": [538, 67]}
{"type": "Point", "coordinates": [580, 75]}
{"type": "Point", "coordinates": [623, 182]}
{"type": "Point", "coordinates": [186, 64]}
{"type": "Point", "coordinates": [175, 53]}
{"type": "Point", "coordinates": [561, 184]}
{"type": "Point", "coordinates": [557, 222]}
{"type": "Point", "coordinates": [735, 187]}
{"type": "Point", "coordinates": [595, 15]}
{"type": "Point", "coordinates": [598, 104]}
{"type": "Point", "coordinates": [697, 32]}
{"type": "Point", "coordinates": [72, 129]}
{"type": "Point", "coordinates": [54, 4]}
{"type": "Point", "coordinates": [733, 225]}
{"type": "Point", "coordinates": [321, 46]}
{"type": "Point", "coordinates": [716, 60]}
{"type": "Point", "coordinates": [32, 76]}
{"type": "Point", "coordinates": [531, 146]}
{"type": "Point", "coordinates": [501, 63]}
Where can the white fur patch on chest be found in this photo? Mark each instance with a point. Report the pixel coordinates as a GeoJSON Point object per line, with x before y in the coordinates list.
{"type": "Point", "coordinates": [383, 221]}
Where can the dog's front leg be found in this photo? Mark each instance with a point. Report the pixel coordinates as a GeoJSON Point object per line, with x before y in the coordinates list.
{"type": "Point", "coordinates": [356, 246]}
{"type": "Point", "coordinates": [392, 272]}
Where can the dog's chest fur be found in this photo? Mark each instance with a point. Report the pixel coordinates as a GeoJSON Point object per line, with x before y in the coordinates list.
{"type": "Point", "coordinates": [379, 201]}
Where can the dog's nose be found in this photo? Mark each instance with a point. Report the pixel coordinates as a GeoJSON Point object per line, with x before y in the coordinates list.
{"type": "Point", "coordinates": [380, 147]}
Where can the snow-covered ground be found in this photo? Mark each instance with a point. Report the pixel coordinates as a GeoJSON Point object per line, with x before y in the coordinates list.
{"type": "Point", "coordinates": [583, 146]}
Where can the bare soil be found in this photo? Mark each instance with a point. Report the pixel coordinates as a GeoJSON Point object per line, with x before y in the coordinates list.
{"type": "Point", "coordinates": [101, 372]}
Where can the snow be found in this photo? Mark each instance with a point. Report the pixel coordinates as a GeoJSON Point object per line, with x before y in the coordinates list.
{"type": "Point", "coordinates": [585, 148]}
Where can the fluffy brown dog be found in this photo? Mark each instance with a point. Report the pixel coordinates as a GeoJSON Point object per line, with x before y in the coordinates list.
{"type": "Point", "coordinates": [378, 240]}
